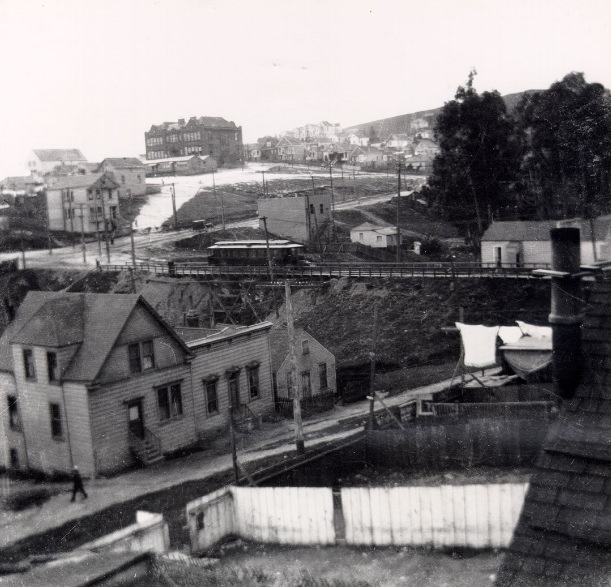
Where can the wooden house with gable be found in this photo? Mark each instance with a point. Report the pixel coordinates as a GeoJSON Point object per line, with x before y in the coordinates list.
{"type": "Point", "coordinates": [316, 383]}
{"type": "Point", "coordinates": [103, 382]}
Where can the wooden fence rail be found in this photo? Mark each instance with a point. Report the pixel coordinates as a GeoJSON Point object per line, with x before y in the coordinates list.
{"type": "Point", "coordinates": [478, 516]}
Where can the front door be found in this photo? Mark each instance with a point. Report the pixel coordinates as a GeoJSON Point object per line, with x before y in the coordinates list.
{"type": "Point", "coordinates": [234, 391]}
{"type": "Point", "coordinates": [498, 256]}
{"type": "Point", "coordinates": [136, 418]}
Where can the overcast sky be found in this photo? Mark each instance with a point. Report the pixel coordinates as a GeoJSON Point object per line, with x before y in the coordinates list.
{"type": "Point", "coordinates": [96, 74]}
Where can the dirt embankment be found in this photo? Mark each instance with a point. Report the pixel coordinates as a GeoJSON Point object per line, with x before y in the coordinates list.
{"type": "Point", "coordinates": [339, 313]}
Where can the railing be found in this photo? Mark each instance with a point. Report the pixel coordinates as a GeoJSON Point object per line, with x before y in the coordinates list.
{"type": "Point", "coordinates": [368, 270]}
{"type": "Point", "coordinates": [244, 416]}
{"type": "Point", "coordinates": [534, 409]}
{"type": "Point", "coordinates": [146, 447]}
{"type": "Point", "coordinates": [310, 405]}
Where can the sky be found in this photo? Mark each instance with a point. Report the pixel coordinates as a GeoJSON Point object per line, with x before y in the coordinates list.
{"type": "Point", "coordinates": [95, 75]}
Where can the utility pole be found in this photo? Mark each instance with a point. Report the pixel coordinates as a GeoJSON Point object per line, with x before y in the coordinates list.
{"type": "Point", "coordinates": [332, 203]}
{"type": "Point", "coordinates": [299, 442]}
{"type": "Point", "coordinates": [398, 212]}
{"type": "Point", "coordinates": [270, 264]}
{"type": "Point", "coordinates": [131, 234]}
{"type": "Point", "coordinates": [222, 204]}
{"type": "Point", "coordinates": [372, 365]}
{"type": "Point", "coordinates": [106, 237]}
{"type": "Point", "coordinates": [316, 223]}
{"type": "Point", "coordinates": [173, 194]}
{"type": "Point", "coordinates": [84, 248]}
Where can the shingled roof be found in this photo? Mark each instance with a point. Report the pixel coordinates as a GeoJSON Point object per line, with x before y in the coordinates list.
{"type": "Point", "coordinates": [59, 155]}
{"type": "Point", "coordinates": [563, 536]}
{"type": "Point", "coordinates": [519, 230]}
{"type": "Point", "coordinates": [58, 319]}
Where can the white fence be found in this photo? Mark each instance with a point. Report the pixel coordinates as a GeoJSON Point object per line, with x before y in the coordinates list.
{"type": "Point", "coordinates": [450, 515]}
{"type": "Point", "coordinates": [478, 516]}
{"type": "Point", "coordinates": [280, 515]}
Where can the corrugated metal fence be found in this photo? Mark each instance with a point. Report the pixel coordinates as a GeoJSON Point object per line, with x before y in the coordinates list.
{"type": "Point", "coordinates": [478, 516]}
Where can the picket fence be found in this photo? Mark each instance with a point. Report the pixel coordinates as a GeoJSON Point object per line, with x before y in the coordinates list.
{"type": "Point", "coordinates": [477, 516]}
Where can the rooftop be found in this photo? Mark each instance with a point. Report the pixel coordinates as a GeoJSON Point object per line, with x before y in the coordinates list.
{"type": "Point", "coordinates": [519, 230]}
{"type": "Point", "coordinates": [59, 155]}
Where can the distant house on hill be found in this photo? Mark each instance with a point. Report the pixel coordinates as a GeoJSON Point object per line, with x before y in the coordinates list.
{"type": "Point", "coordinates": [426, 147]}
{"type": "Point", "coordinates": [41, 161]}
{"type": "Point", "coordinates": [316, 382]}
{"type": "Point", "coordinates": [290, 149]}
{"type": "Point", "coordinates": [103, 382]}
{"type": "Point", "coordinates": [128, 172]}
{"type": "Point", "coordinates": [371, 235]}
{"type": "Point", "coordinates": [519, 242]}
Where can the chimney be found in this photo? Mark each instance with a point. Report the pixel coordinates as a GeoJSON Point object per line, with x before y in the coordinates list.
{"type": "Point", "coordinates": [566, 310]}
{"type": "Point", "coordinates": [181, 121]}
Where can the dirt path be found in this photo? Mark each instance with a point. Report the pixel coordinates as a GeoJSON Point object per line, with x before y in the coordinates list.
{"type": "Point", "coordinates": [168, 486]}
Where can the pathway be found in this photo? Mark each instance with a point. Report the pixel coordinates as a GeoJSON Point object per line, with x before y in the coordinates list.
{"type": "Point", "coordinates": [272, 440]}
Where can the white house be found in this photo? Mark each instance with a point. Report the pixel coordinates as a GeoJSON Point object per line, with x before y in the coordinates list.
{"type": "Point", "coordinates": [371, 235]}
{"type": "Point", "coordinates": [41, 161]}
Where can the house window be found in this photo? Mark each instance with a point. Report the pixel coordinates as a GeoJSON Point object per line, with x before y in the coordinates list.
{"type": "Point", "coordinates": [52, 367]}
{"type": "Point", "coordinates": [322, 209]}
{"type": "Point", "coordinates": [28, 364]}
{"type": "Point", "coordinates": [252, 374]}
{"type": "Point", "coordinates": [360, 236]}
{"type": "Point", "coordinates": [122, 181]}
{"type": "Point", "coordinates": [141, 356]}
{"type": "Point", "coordinates": [322, 375]}
{"type": "Point", "coordinates": [89, 195]}
{"type": "Point", "coordinates": [14, 458]}
{"type": "Point", "coordinates": [57, 429]}
{"type": "Point", "coordinates": [312, 209]}
{"type": "Point", "coordinates": [13, 413]}
{"type": "Point", "coordinates": [378, 239]}
{"type": "Point", "coordinates": [169, 401]}
{"type": "Point", "coordinates": [305, 347]}
{"type": "Point", "coordinates": [212, 400]}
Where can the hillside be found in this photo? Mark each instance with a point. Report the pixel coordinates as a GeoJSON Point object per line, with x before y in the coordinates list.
{"type": "Point", "coordinates": [401, 123]}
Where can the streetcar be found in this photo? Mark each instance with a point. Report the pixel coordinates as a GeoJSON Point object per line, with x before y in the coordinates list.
{"type": "Point", "coordinates": [254, 252]}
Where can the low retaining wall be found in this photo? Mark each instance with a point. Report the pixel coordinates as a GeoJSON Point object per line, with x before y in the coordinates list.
{"type": "Point", "coordinates": [478, 516]}
{"type": "Point", "coordinates": [149, 533]}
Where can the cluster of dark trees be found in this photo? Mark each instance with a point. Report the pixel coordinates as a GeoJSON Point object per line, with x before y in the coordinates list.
{"type": "Point", "coordinates": [548, 159]}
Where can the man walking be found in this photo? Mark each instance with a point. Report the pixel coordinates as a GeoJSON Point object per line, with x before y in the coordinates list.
{"type": "Point", "coordinates": [77, 486]}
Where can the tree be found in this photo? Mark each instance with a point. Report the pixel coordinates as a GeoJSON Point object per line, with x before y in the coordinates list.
{"type": "Point", "coordinates": [566, 149]}
{"type": "Point", "coordinates": [473, 173]}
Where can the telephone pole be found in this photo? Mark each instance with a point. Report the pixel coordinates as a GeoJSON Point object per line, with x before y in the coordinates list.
{"type": "Point", "coordinates": [81, 206]}
{"type": "Point", "coordinates": [173, 194]}
{"type": "Point", "coordinates": [270, 264]}
{"type": "Point", "coordinates": [299, 442]}
{"type": "Point", "coordinates": [398, 212]}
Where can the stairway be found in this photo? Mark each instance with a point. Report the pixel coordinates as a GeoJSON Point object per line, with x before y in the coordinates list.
{"type": "Point", "coordinates": [147, 450]}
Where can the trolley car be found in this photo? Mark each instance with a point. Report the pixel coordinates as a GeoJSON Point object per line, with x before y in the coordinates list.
{"type": "Point", "coordinates": [254, 252]}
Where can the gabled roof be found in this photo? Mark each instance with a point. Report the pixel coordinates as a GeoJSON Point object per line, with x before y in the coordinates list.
{"type": "Point", "coordinates": [59, 155]}
{"type": "Point", "coordinates": [92, 321]}
{"type": "Point", "coordinates": [519, 230]}
{"type": "Point", "coordinates": [368, 226]}
{"type": "Point", "coordinates": [94, 180]}
{"type": "Point", "coordinates": [123, 162]}
{"type": "Point", "coordinates": [279, 345]}
{"type": "Point", "coordinates": [563, 536]}
{"type": "Point", "coordinates": [601, 225]}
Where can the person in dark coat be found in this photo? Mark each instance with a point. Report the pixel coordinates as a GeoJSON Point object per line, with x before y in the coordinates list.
{"type": "Point", "coordinates": [77, 486]}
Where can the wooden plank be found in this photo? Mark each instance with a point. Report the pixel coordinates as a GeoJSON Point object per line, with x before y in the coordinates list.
{"type": "Point", "coordinates": [483, 527]}
{"type": "Point", "coordinates": [506, 517]}
{"type": "Point", "coordinates": [460, 519]}
{"type": "Point", "coordinates": [447, 514]}
{"type": "Point", "coordinates": [415, 516]}
{"type": "Point", "coordinates": [494, 515]}
{"type": "Point", "coordinates": [426, 515]}
{"type": "Point", "coordinates": [472, 537]}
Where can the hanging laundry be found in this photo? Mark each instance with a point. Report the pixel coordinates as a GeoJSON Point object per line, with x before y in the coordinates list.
{"type": "Point", "coordinates": [535, 331]}
{"type": "Point", "coordinates": [510, 334]}
{"type": "Point", "coordinates": [479, 344]}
